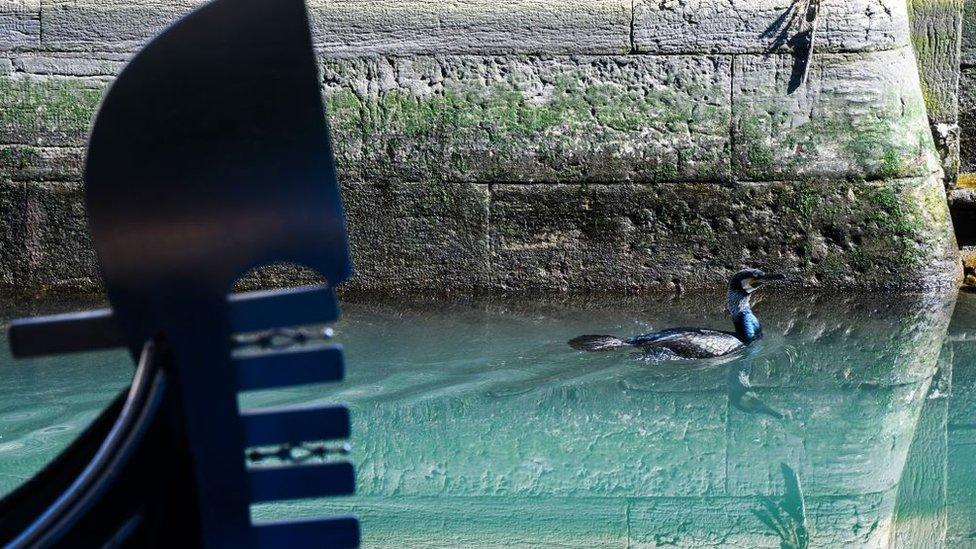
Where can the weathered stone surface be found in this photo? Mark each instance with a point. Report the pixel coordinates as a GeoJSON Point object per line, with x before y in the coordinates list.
{"type": "Point", "coordinates": [371, 26]}
{"type": "Point", "coordinates": [471, 26]}
{"type": "Point", "coordinates": [408, 237]}
{"type": "Point", "coordinates": [968, 46]}
{"type": "Point", "coordinates": [936, 36]}
{"type": "Point", "coordinates": [967, 119]}
{"type": "Point", "coordinates": [578, 238]}
{"type": "Point", "coordinates": [487, 522]}
{"type": "Point", "coordinates": [863, 521]}
{"type": "Point", "coordinates": [756, 26]}
{"type": "Point", "coordinates": [47, 111]}
{"type": "Point", "coordinates": [29, 163]}
{"type": "Point", "coordinates": [44, 242]}
{"type": "Point", "coordinates": [108, 25]}
{"type": "Point", "coordinates": [59, 251]}
{"type": "Point", "coordinates": [936, 33]}
{"type": "Point", "coordinates": [535, 119]}
{"type": "Point", "coordinates": [80, 65]}
{"type": "Point", "coordinates": [858, 116]}
{"type": "Point", "coordinates": [20, 23]}
{"type": "Point", "coordinates": [542, 91]}
{"type": "Point", "coordinates": [13, 256]}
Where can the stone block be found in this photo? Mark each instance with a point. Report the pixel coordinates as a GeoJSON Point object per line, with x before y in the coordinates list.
{"type": "Point", "coordinates": [936, 34]}
{"type": "Point", "coordinates": [968, 46]}
{"type": "Point", "coordinates": [59, 250]}
{"type": "Point", "coordinates": [104, 66]}
{"type": "Point", "coordinates": [484, 522]}
{"type": "Point", "coordinates": [410, 237]}
{"type": "Point", "coordinates": [584, 238]}
{"type": "Point", "coordinates": [20, 23]}
{"type": "Point", "coordinates": [371, 26]}
{"type": "Point", "coordinates": [13, 221]}
{"type": "Point", "coordinates": [488, 119]}
{"type": "Point", "coordinates": [29, 163]}
{"type": "Point", "coordinates": [108, 25]}
{"type": "Point", "coordinates": [47, 111]}
{"type": "Point", "coordinates": [857, 116]}
{"type": "Point", "coordinates": [401, 27]}
{"type": "Point", "coordinates": [967, 117]}
{"type": "Point", "coordinates": [761, 26]}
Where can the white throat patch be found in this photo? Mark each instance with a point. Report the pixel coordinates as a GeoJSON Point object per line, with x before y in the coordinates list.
{"type": "Point", "coordinates": [747, 285]}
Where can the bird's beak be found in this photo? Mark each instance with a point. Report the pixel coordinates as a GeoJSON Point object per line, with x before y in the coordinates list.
{"type": "Point", "coordinates": [772, 276]}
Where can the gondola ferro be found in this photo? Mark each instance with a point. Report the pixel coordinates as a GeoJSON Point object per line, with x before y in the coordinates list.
{"type": "Point", "coordinates": [210, 156]}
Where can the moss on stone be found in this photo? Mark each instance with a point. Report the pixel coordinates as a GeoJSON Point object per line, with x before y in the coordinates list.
{"type": "Point", "coordinates": [17, 159]}
{"type": "Point", "coordinates": [574, 130]}
{"type": "Point", "coordinates": [33, 106]}
{"type": "Point", "coordinates": [880, 145]}
{"type": "Point", "coordinates": [966, 181]}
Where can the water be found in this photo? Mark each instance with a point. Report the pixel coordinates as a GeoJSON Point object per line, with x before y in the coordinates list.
{"type": "Point", "coordinates": [475, 424]}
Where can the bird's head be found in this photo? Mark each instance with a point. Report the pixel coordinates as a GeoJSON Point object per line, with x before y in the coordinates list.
{"type": "Point", "coordinates": [747, 281]}
{"type": "Point", "coordinates": [741, 287]}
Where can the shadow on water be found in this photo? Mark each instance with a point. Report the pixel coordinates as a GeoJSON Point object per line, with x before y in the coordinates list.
{"type": "Point", "coordinates": [476, 425]}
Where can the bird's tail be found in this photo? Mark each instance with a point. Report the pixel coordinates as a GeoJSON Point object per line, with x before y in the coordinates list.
{"type": "Point", "coordinates": [596, 343]}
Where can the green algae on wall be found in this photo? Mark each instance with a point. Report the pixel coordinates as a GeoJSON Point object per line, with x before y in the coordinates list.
{"type": "Point", "coordinates": [572, 238]}
{"type": "Point", "coordinates": [438, 129]}
{"type": "Point", "coordinates": [936, 39]}
{"type": "Point", "coordinates": [51, 111]}
{"type": "Point", "coordinates": [14, 160]}
{"type": "Point", "coordinates": [936, 33]}
{"type": "Point", "coordinates": [530, 119]}
{"type": "Point", "coordinates": [853, 118]}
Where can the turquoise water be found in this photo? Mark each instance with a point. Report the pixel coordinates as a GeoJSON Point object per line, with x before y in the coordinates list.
{"type": "Point", "coordinates": [475, 425]}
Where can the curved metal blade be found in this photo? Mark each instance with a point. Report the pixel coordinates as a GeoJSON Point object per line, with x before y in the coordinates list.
{"type": "Point", "coordinates": [211, 155]}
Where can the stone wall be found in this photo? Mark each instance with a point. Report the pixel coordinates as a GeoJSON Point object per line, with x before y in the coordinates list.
{"type": "Point", "coordinates": [544, 145]}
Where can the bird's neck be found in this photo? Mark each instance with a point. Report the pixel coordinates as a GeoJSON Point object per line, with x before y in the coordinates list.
{"type": "Point", "coordinates": [747, 327]}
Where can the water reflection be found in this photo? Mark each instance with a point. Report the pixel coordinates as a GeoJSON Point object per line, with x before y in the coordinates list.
{"type": "Point", "coordinates": [486, 412]}
{"type": "Point", "coordinates": [787, 516]}
{"type": "Point", "coordinates": [475, 425]}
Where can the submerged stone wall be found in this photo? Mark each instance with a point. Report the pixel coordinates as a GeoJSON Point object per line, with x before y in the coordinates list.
{"type": "Point", "coordinates": [550, 145]}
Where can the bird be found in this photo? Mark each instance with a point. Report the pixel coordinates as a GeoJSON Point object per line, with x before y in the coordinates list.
{"type": "Point", "coordinates": [696, 343]}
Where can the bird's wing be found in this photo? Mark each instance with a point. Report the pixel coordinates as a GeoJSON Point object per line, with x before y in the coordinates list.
{"type": "Point", "coordinates": [691, 342]}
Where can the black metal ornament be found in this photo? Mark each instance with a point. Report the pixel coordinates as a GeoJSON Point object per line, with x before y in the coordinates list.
{"type": "Point", "coordinates": [210, 156]}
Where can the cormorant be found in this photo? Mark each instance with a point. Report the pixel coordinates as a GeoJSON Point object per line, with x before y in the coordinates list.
{"type": "Point", "coordinates": [692, 343]}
